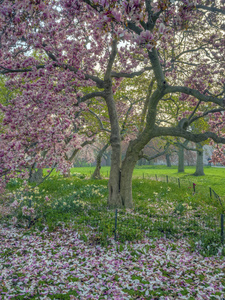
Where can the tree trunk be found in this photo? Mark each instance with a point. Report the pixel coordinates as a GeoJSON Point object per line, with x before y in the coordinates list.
{"type": "Point", "coordinates": [168, 162]}
{"type": "Point", "coordinates": [114, 199]}
{"type": "Point", "coordinates": [199, 162]}
{"type": "Point", "coordinates": [180, 159]}
{"type": "Point", "coordinates": [36, 175]}
{"type": "Point", "coordinates": [126, 179]}
{"type": "Point", "coordinates": [181, 156]}
{"type": "Point", "coordinates": [107, 159]}
{"type": "Point", "coordinates": [120, 180]}
{"type": "Point", "coordinates": [67, 174]}
{"type": "Point", "coordinates": [96, 174]}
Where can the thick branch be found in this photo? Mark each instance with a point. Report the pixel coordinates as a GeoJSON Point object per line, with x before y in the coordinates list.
{"type": "Point", "coordinates": [111, 60]}
{"type": "Point", "coordinates": [194, 93]}
{"type": "Point", "coordinates": [197, 138]}
{"type": "Point", "coordinates": [212, 9]}
{"type": "Point", "coordinates": [92, 95]}
{"type": "Point", "coordinates": [7, 71]}
{"type": "Point", "coordinates": [157, 68]}
{"type": "Point", "coordinates": [131, 75]}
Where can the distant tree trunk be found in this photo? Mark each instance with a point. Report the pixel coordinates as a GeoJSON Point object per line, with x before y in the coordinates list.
{"type": "Point", "coordinates": [199, 163]}
{"type": "Point", "coordinates": [36, 175]}
{"type": "Point", "coordinates": [108, 159]}
{"type": "Point", "coordinates": [168, 162]}
{"type": "Point", "coordinates": [181, 156]}
{"type": "Point", "coordinates": [180, 159]}
{"type": "Point", "coordinates": [96, 174]}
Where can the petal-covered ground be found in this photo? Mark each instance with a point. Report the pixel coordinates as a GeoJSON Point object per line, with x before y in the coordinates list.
{"type": "Point", "coordinates": [45, 265]}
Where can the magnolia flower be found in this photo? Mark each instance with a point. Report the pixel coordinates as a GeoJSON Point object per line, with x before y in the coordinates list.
{"type": "Point", "coordinates": [161, 28]}
{"type": "Point", "coordinates": [146, 36]}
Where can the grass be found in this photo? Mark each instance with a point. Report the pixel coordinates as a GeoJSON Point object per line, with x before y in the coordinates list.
{"type": "Point", "coordinates": [62, 245]}
{"type": "Point", "coordinates": [160, 208]}
{"type": "Point", "coordinates": [214, 177]}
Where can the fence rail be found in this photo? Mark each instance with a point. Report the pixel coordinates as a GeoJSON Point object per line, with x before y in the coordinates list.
{"type": "Point", "coordinates": [122, 227]}
{"type": "Point", "coordinates": [179, 182]}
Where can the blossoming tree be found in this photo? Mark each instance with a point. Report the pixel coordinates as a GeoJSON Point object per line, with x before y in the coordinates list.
{"type": "Point", "coordinates": [55, 50]}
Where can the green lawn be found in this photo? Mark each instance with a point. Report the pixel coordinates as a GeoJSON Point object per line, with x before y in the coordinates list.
{"type": "Point", "coordinates": [214, 177]}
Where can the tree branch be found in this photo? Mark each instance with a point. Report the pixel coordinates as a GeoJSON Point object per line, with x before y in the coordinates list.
{"type": "Point", "coordinates": [205, 114]}
{"type": "Point", "coordinates": [92, 95]}
{"type": "Point", "coordinates": [197, 138]}
{"type": "Point", "coordinates": [212, 9]}
{"type": "Point", "coordinates": [99, 120]}
{"type": "Point", "coordinates": [131, 75]}
{"type": "Point", "coordinates": [194, 111]}
{"type": "Point", "coordinates": [194, 93]}
{"type": "Point", "coordinates": [111, 60]}
{"type": "Point", "coordinates": [55, 164]}
{"type": "Point", "coordinates": [77, 150]}
{"type": "Point", "coordinates": [7, 71]}
{"type": "Point", "coordinates": [148, 158]}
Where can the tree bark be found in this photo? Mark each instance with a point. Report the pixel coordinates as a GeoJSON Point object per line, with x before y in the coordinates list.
{"type": "Point", "coordinates": [199, 162]}
{"type": "Point", "coordinates": [168, 161]}
{"type": "Point", "coordinates": [36, 175]}
{"type": "Point", "coordinates": [181, 148]}
{"type": "Point", "coordinates": [128, 165]}
{"type": "Point", "coordinates": [97, 174]}
{"type": "Point", "coordinates": [180, 159]}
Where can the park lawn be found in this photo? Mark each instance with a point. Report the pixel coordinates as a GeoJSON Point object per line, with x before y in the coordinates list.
{"type": "Point", "coordinates": [168, 246]}
{"type": "Point", "coordinates": [214, 176]}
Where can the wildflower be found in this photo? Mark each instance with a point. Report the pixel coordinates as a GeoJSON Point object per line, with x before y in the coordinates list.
{"type": "Point", "coordinates": [15, 204]}
{"type": "Point", "coordinates": [25, 211]}
{"type": "Point", "coordinates": [32, 210]}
